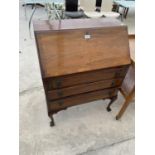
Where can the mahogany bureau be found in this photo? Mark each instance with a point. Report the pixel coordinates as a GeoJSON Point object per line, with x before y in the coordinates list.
{"type": "Point", "coordinates": [81, 60]}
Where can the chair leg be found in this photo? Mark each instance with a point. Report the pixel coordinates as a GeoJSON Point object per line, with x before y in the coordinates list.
{"type": "Point", "coordinates": [126, 12]}
{"type": "Point", "coordinates": [125, 105]}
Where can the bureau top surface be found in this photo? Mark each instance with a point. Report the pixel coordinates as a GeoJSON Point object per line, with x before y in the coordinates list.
{"type": "Point", "coordinates": [45, 25]}
{"type": "Point", "coordinates": [82, 48]}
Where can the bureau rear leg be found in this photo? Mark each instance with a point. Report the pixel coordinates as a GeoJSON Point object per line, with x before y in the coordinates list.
{"type": "Point", "coordinates": [52, 121]}
{"type": "Point", "coordinates": [110, 103]}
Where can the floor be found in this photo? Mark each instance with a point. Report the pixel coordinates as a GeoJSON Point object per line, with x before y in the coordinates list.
{"type": "Point", "coordinates": [81, 130]}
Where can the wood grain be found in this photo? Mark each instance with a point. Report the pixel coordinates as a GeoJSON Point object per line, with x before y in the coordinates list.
{"type": "Point", "coordinates": [85, 77]}
{"type": "Point", "coordinates": [81, 98]}
{"type": "Point", "coordinates": [83, 88]}
{"type": "Point", "coordinates": [81, 60]}
{"type": "Point", "coordinates": [67, 52]}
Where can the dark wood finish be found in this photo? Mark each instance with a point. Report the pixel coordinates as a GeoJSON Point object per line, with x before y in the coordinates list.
{"type": "Point", "coordinates": [86, 77]}
{"type": "Point", "coordinates": [81, 60]}
{"type": "Point", "coordinates": [81, 98]}
{"type": "Point", "coordinates": [87, 87]}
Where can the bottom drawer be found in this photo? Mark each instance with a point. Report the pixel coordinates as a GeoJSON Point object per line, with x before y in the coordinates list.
{"type": "Point", "coordinates": [81, 98]}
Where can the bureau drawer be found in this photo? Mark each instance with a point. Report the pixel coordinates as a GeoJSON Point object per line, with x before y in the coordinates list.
{"type": "Point", "coordinates": [83, 88]}
{"type": "Point", "coordinates": [81, 98]}
{"type": "Point", "coordinates": [86, 77]}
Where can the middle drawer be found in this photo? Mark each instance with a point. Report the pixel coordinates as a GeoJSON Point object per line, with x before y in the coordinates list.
{"type": "Point", "coordinates": [85, 77]}
{"type": "Point", "coordinates": [83, 88]}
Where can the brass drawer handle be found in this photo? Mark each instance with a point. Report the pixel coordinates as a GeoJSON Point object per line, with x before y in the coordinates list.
{"type": "Point", "coordinates": [60, 93]}
{"type": "Point", "coordinates": [113, 83]}
{"type": "Point", "coordinates": [58, 83]}
{"type": "Point", "coordinates": [60, 103]}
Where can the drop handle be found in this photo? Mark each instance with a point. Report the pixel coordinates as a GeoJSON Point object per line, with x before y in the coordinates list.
{"type": "Point", "coordinates": [60, 103]}
{"type": "Point", "coordinates": [58, 83]}
{"type": "Point", "coordinates": [113, 84]}
{"type": "Point", "coordinates": [60, 93]}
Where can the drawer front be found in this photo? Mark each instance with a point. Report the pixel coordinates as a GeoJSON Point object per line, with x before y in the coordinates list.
{"type": "Point", "coordinates": [83, 88]}
{"type": "Point", "coordinates": [86, 77]}
{"type": "Point", "coordinates": [81, 98]}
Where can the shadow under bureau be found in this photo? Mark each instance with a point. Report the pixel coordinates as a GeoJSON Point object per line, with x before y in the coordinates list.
{"type": "Point", "coordinates": [81, 60]}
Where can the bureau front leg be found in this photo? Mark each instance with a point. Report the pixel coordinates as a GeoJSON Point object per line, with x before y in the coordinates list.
{"type": "Point", "coordinates": [112, 99]}
{"type": "Point", "coordinates": [52, 121]}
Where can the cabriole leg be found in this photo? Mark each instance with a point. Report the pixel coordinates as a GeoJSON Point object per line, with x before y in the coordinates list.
{"type": "Point", "coordinates": [112, 100]}
{"type": "Point", "coordinates": [52, 121]}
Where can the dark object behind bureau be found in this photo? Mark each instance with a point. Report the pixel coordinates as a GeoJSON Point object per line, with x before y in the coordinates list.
{"type": "Point", "coordinates": [71, 5]}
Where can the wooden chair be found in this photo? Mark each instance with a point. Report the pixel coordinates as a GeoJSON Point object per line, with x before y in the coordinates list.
{"type": "Point", "coordinates": [124, 4]}
{"type": "Point", "coordinates": [128, 86]}
{"type": "Point", "coordinates": [127, 89]}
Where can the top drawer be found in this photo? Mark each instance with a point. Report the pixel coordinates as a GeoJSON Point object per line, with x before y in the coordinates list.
{"type": "Point", "coordinates": [86, 77]}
